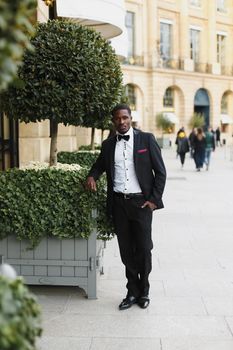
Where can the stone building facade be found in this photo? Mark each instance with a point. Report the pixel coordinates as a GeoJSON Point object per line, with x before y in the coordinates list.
{"type": "Point", "coordinates": [179, 61]}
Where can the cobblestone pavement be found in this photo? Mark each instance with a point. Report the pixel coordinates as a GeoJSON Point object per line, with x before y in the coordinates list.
{"type": "Point", "coordinates": [191, 282]}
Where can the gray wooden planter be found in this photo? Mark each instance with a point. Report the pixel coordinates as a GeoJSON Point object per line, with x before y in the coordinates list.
{"type": "Point", "coordinates": [163, 142]}
{"type": "Point", "coordinates": [67, 262]}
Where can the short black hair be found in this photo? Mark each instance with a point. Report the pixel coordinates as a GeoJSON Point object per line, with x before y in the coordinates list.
{"type": "Point", "coordinates": [119, 107]}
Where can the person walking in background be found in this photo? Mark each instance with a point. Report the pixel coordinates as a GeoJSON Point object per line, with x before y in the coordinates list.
{"type": "Point", "coordinates": [191, 138]}
{"type": "Point", "coordinates": [218, 137]}
{"type": "Point", "coordinates": [136, 178]}
{"type": "Point", "coordinates": [210, 146]}
{"type": "Point", "coordinates": [182, 146]}
{"type": "Point", "coordinates": [199, 145]}
{"type": "Point", "coordinates": [180, 130]}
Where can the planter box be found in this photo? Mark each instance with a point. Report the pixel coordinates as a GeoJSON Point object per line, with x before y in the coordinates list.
{"type": "Point", "coordinates": [163, 142]}
{"type": "Point", "coordinates": [67, 262]}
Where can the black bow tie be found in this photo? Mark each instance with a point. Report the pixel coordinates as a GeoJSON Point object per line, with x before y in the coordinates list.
{"type": "Point", "coordinates": [125, 137]}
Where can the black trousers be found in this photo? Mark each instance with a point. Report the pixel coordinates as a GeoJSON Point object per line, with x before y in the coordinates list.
{"type": "Point", "coordinates": [133, 229]}
{"type": "Point", "coordinates": [182, 158]}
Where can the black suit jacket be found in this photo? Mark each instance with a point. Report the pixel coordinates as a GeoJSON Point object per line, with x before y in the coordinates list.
{"type": "Point", "coordinates": [149, 167]}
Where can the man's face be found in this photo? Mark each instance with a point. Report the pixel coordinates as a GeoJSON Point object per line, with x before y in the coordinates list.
{"type": "Point", "coordinates": [122, 120]}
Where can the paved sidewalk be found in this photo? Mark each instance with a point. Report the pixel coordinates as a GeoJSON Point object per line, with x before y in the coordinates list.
{"type": "Point", "coordinates": [191, 282]}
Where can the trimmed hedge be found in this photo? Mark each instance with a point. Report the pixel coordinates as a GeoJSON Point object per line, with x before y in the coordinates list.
{"type": "Point", "coordinates": [88, 147]}
{"type": "Point", "coordinates": [36, 203]}
{"type": "Point", "coordinates": [19, 316]}
{"type": "Point", "coordinates": [83, 158]}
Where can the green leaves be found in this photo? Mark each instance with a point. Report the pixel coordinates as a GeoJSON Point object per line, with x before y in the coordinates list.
{"type": "Point", "coordinates": [197, 120]}
{"type": "Point", "coordinates": [37, 203]}
{"type": "Point", "coordinates": [162, 122]}
{"type": "Point", "coordinates": [15, 26]}
{"type": "Point", "coordinates": [19, 316]}
{"type": "Point", "coordinates": [85, 159]}
{"type": "Point", "coordinates": [73, 76]}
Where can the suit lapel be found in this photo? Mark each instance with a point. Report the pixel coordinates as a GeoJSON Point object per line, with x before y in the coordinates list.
{"type": "Point", "coordinates": [135, 148]}
{"type": "Point", "coordinates": [112, 147]}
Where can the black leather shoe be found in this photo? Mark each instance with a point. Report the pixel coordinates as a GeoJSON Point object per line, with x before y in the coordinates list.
{"type": "Point", "coordinates": [144, 301]}
{"type": "Point", "coordinates": [127, 302]}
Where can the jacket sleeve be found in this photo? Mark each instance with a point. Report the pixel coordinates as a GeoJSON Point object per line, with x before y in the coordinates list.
{"type": "Point", "coordinates": [159, 171]}
{"type": "Point", "coordinates": [98, 168]}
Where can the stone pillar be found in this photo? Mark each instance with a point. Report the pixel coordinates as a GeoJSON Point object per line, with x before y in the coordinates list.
{"type": "Point", "coordinates": [152, 57]}
{"type": "Point", "coordinates": [211, 38]}
{"type": "Point", "coordinates": [152, 34]}
{"type": "Point", "coordinates": [184, 33]}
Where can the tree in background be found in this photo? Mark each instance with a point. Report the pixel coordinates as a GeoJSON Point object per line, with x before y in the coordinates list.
{"type": "Point", "coordinates": [163, 123]}
{"type": "Point", "coordinates": [72, 77]}
{"type": "Point", "coordinates": [105, 123]}
{"type": "Point", "coordinates": [15, 25]}
{"type": "Point", "coordinates": [197, 120]}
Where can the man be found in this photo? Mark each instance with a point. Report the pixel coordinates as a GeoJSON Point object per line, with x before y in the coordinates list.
{"type": "Point", "coordinates": [218, 136]}
{"type": "Point", "coordinates": [136, 178]}
{"type": "Point", "coordinates": [210, 146]}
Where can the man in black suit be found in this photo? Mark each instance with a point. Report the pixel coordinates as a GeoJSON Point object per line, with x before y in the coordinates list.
{"type": "Point", "coordinates": [136, 178]}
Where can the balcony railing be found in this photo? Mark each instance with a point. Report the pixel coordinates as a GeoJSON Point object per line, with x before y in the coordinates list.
{"type": "Point", "coordinates": [169, 63]}
{"type": "Point", "coordinates": [201, 67]}
{"type": "Point", "coordinates": [226, 70]}
{"type": "Point", "coordinates": [134, 61]}
{"type": "Point", "coordinates": [177, 64]}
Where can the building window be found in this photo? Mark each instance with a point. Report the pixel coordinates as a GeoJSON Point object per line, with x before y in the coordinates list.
{"type": "Point", "coordinates": [194, 45]}
{"type": "Point", "coordinates": [221, 6]}
{"type": "Point", "coordinates": [165, 41]}
{"type": "Point", "coordinates": [224, 104]}
{"type": "Point", "coordinates": [168, 98]}
{"type": "Point", "coordinates": [221, 48]}
{"type": "Point", "coordinates": [130, 26]}
{"type": "Point", "coordinates": [196, 3]}
{"type": "Point", "coordinates": [131, 95]}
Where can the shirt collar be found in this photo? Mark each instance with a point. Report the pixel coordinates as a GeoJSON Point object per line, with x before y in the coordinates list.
{"type": "Point", "coordinates": [129, 132]}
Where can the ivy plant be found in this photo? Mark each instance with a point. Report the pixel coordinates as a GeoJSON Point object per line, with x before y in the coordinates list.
{"type": "Point", "coordinates": [83, 158]}
{"type": "Point", "coordinates": [20, 316]}
{"type": "Point", "coordinates": [36, 203]}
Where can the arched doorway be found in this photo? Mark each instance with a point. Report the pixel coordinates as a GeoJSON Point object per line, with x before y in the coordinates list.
{"type": "Point", "coordinates": [202, 105]}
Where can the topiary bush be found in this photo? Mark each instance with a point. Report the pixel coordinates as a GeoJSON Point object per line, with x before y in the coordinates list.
{"type": "Point", "coordinates": [197, 120]}
{"type": "Point", "coordinates": [36, 203]}
{"type": "Point", "coordinates": [163, 123]}
{"type": "Point", "coordinates": [73, 77]}
{"type": "Point", "coordinates": [88, 147]}
{"type": "Point", "coordinates": [20, 322]}
{"type": "Point", "coordinates": [15, 24]}
{"type": "Point", "coordinates": [83, 158]}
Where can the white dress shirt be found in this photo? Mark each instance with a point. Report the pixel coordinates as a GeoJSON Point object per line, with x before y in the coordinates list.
{"type": "Point", "coordinates": [125, 179]}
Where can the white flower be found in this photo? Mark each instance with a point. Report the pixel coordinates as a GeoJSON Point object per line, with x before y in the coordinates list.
{"type": "Point", "coordinates": [44, 165]}
{"type": "Point", "coordinates": [8, 271]}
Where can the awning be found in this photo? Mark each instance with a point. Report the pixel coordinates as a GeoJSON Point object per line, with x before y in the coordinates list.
{"type": "Point", "coordinates": [171, 117]}
{"type": "Point", "coordinates": [226, 119]}
{"type": "Point", "coordinates": [105, 16]}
